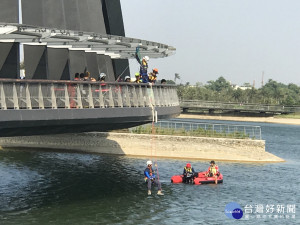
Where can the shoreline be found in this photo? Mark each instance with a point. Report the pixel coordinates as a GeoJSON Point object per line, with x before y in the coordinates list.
{"type": "Point", "coordinates": [243, 119]}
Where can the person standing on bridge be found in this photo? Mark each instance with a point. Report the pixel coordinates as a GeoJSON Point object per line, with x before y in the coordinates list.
{"type": "Point", "coordinates": [150, 178]}
{"type": "Point", "coordinates": [153, 76]}
{"type": "Point", "coordinates": [143, 65]}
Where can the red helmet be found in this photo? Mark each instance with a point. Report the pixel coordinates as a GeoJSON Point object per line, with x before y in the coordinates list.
{"type": "Point", "coordinates": [155, 70]}
{"type": "Point", "coordinates": [188, 165]}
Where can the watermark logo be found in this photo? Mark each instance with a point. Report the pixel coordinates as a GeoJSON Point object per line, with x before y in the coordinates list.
{"type": "Point", "coordinates": [233, 211]}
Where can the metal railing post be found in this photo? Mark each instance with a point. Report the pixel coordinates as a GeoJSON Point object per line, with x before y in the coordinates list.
{"type": "Point", "coordinates": [90, 97]}
{"type": "Point", "coordinates": [41, 98]}
{"type": "Point", "coordinates": [128, 102]}
{"type": "Point", "coordinates": [67, 99]}
{"type": "Point", "coordinates": [53, 97]}
{"type": "Point", "coordinates": [169, 97]}
{"type": "Point", "coordinates": [111, 100]}
{"type": "Point", "coordinates": [120, 102]}
{"type": "Point", "coordinates": [28, 97]}
{"type": "Point", "coordinates": [15, 97]}
{"type": "Point", "coordinates": [141, 97]}
{"type": "Point", "coordinates": [101, 101]}
{"type": "Point", "coordinates": [135, 98]}
{"type": "Point", "coordinates": [79, 101]}
{"type": "Point", "coordinates": [259, 134]}
{"type": "Point", "coordinates": [162, 99]}
{"type": "Point", "coordinates": [2, 95]}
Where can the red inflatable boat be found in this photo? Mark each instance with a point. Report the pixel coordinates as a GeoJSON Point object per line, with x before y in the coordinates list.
{"type": "Point", "coordinates": [200, 179]}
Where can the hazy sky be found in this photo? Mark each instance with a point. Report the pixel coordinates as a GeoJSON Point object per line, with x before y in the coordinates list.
{"type": "Point", "coordinates": [236, 39]}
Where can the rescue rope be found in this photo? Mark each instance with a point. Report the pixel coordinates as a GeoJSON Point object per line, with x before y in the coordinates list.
{"type": "Point", "coordinates": [154, 119]}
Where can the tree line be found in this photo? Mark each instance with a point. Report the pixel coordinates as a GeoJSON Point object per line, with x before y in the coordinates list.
{"type": "Point", "coordinates": [274, 93]}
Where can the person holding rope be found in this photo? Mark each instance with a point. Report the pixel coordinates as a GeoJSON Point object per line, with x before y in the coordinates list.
{"type": "Point", "coordinates": [143, 65]}
{"type": "Point", "coordinates": [150, 178]}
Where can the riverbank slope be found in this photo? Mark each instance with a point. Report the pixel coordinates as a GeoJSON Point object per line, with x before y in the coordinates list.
{"type": "Point", "coordinates": [243, 119]}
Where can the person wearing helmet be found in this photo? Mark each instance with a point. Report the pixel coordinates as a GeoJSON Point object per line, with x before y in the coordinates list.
{"type": "Point", "coordinates": [127, 79]}
{"type": "Point", "coordinates": [153, 75]}
{"type": "Point", "coordinates": [138, 78]}
{"type": "Point", "coordinates": [188, 173]}
{"type": "Point", "coordinates": [151, 179]}
{"type": "Point", "coordinates": [143, 65]}
{"type": "Point", "coordinates": [213, 171]}
{"type": "Point", "coordinates": [102, 77]}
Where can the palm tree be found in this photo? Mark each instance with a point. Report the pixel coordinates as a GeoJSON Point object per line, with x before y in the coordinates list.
{"type": "Point", "coordinates": [176, 77]}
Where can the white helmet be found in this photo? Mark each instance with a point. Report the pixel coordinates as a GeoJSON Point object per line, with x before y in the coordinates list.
{"type": "Point", "coordinates": [102, 75]}
{"type": "Point", "coordinates": [149, 163]}
{"type": "Point", "coordinates": [146, 58]}
{"type": "Point", "coordinates": [127, 77]}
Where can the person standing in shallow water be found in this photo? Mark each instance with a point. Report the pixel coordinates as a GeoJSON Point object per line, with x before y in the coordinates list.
{"type": "Point", "coordinates": [150, 178]}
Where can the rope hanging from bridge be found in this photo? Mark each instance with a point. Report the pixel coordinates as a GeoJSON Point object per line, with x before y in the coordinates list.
{"type": "Point", "coordinates": [154, 120]}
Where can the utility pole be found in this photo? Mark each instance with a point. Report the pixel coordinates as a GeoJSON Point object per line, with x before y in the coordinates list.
{"type": "Point", "coordinates": [262, 78]}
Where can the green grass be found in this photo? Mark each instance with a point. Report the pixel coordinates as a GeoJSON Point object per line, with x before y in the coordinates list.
{"type": "Point", "coordinates": [194, 133]}
{"type": "Point", "coordinates": [289, 116]}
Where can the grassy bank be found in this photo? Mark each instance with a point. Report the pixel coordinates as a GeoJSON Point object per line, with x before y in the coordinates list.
{"type": "Point", "coordinates": [288, 116]}
{"type": "Point", "coordinates": [183, 132]}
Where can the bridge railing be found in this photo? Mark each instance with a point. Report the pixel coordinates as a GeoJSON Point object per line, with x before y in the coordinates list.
{"type": "Point", "coordinates": [238, 106]}
{"type": "Point", "coordinates": [45, 94]}
{"type": "Point", "coordinates": [202, 130]}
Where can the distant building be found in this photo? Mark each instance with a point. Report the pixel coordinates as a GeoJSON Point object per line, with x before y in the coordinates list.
{"type": "Point", "coordinates": [235, 87]}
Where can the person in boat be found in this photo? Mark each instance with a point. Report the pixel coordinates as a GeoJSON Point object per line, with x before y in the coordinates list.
{"type": "Point", "coordinates": [213, 171]}
{"type": "Point", "coordinates": [188, 173]}
{"type": "Point", "coordinates": [151, 179]}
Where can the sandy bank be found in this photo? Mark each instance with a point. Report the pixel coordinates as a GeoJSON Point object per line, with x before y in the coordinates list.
{"type": "Point", "coordinates": [244, 119]}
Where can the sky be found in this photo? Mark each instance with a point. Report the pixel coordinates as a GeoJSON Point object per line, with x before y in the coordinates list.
{"type": "Point", "coordinates": [238, 39]}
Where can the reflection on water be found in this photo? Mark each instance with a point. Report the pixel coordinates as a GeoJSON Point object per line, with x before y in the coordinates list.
{"type": "Point", "coordinates": [68, 188]}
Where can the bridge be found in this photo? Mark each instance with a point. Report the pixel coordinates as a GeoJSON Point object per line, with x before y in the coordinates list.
{"type": "Point", "coordinates": [187, 105]}
{"type": "Point", "coordinates": [34, 107]}
{"type": "Point", "coordinates": [58, 39]}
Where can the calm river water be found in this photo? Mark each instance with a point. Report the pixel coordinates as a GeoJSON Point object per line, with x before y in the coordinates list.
{"type": "Point", "coordinates": [39, 187]}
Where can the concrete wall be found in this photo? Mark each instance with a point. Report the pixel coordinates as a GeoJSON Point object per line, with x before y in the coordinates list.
{"type": "Point", "coordinates": [147, 145]}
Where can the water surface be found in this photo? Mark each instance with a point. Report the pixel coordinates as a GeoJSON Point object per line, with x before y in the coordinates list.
{"type": "Point", "coordinates": [39, 187]}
